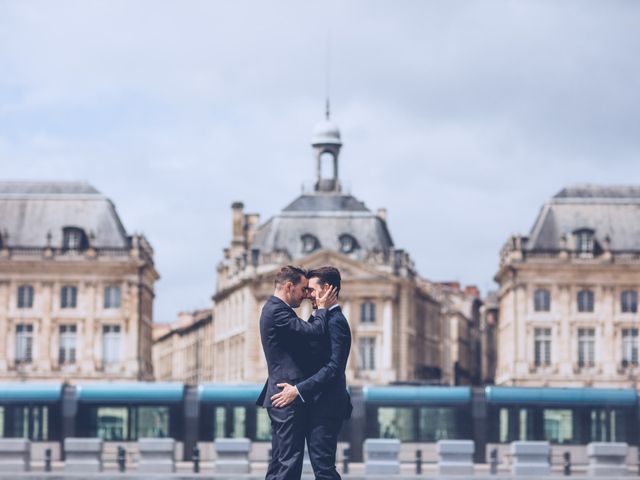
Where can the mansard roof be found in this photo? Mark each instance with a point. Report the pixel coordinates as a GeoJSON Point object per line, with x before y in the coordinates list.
{"type": "Point", "coordinates": [29, 211]}
{"type": "Point", "coordinates": [326, 217]}
{"type": "Point", "coordinates": [612, 212]}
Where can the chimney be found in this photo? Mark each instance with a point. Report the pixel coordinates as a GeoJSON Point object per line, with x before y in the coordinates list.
{"type": "Point", "coordinates": [237, 229]}
{"type": "Point", "coordinates": [382, 214]}
{"type": "Point", "coordinates": [251, 221]}
{"type": "Point", "coordinates": [472, 291]}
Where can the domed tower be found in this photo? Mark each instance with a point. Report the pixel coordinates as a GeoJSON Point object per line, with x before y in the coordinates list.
{"type": "Point", "coordinates": [326, 142]}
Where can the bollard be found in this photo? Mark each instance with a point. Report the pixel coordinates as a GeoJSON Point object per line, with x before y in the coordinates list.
{"type": "Point", "coordinates": [122, 459]}
{"type": "Point", "coordinates": [346, 453]}
{"type": "Point", "coordinates": [493, 461]}
{"type": "Point", "coordinates": [418, 462]}
{"type": "Point", "coordinates": [567, 463]}
{"type": "Point", "coordinates": [47, 460]}
{"type": "Point", "coordinates": [195, 457]}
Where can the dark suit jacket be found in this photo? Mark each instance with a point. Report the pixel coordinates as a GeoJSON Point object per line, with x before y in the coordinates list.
{"type": "Point", "coordinates": [281, 332]}
{"type": "Point", "coordinates": [326, 389]}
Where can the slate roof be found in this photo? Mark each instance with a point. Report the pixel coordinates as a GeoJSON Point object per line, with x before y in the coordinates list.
{"type": "Point", "coordinates": [326, 216]}
{"type": "Point", "coordinates": [612, 211]}
{"type": "Point", "coordinates": [29, 210]}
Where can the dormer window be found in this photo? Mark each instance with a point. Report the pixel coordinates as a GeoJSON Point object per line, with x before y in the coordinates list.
{"type": "Point", "coordinates": [348, 243]}
{"type": "Point", "coordinates": [309, 243]}
{"type": "Point", "coordinates": [584, 242]}
{"type": "Point", "coordinates": [74, 239]}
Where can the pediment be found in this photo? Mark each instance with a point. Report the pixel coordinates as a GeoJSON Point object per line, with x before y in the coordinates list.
{"type": "Point", "coordinates": [349, 268]}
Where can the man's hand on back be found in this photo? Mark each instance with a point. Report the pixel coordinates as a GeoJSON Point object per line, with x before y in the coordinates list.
{"type": "Point", "coordinates": [285, 397]}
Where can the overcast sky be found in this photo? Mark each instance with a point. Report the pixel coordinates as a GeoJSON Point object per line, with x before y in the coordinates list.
{"type": "Point", "coordinates": [461, 118]}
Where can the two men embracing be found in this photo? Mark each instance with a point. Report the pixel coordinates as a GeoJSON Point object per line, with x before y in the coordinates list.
{"type": "Point", "coordinates": [306, 392]}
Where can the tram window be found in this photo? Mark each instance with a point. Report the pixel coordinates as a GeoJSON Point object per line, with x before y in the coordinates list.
{"type": "Point", "coordinates": [239, 422]}
{"type": "Point", "coordinates": [515, 424]}
{"type": "Point", "coordinates": [437, 424]}
{"type": "Point", "coordinates": [607, 426]}
{"type": "Point", "coordinates": [45, 423]}
{"type": "Point", "coordinates": [36, 423]}
{"type": "Point", "coordinates": [618, 424]}
{"type": "Point", "coordinates": [220, 421]}
{"type": "Point", "coordinates": [21, 422]}
{"type": "Point", "coordinates": [112, 423]}
{"type": "Point", "coordinates": [153, 422]}
{"type": "Point", "coordinates": [263, 425]}
{"type": "Point", "coordinates": [558, 425]}
{"type": "Point", "coordinates": [396, 422]}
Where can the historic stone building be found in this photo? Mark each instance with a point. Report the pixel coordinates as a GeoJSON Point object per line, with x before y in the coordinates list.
{"type": "Point", "coordinates": [183, 351]}
{"type": "Point", "coordinates": [461, 342]}
{"type": "Point", "coordinates": [569, 293]}
{"type": "Point", "coordinates": [396, 320]}
{"type": "Point", "coordinates": [76, 291]}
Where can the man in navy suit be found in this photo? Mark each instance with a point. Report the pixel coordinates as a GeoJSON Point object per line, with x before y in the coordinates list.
{"type": "Point", "coordinates": [325, 391]}
{"type": "Point", "coordinates": [281, 332]}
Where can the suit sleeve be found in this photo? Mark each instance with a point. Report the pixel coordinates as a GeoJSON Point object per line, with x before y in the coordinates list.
{"type": "Point", "coordinates": [339, 334]}
{"type": "Point", "coordinates": [286, 319]}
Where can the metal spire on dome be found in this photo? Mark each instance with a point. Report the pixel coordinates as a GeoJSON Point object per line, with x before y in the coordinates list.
{"type": "Point", "coordinates": [328, 78]}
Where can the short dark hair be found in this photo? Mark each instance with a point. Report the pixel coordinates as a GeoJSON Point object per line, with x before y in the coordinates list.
{"type": "Point", "coordinates": [289, 274]}
{"type": "Point", "coordinates": [330, 275]}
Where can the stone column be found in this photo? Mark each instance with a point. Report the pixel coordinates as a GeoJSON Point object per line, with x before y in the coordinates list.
{"type": "Point", "coordinates": [520, 330]}
{"type": "Point", "coordinates": [88, 336]}
{"type": "Point", "coordinates": [4, 324]}
{"type": "Point", "coordinates": [387, 335]}
{"type": "Point", "coordinates": [562, 346]}
{"type": "Point", "coordinates": [606, 348]}
{"type": "Point", "coordinates": [44, 335]}
{"type": "Point", "coordinates": [129, 331]}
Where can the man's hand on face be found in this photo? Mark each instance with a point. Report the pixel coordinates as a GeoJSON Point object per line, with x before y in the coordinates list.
{"type": "Point", "coordinates": [328, 298]}
{"type": "Point", "coordinates": [285, 397]}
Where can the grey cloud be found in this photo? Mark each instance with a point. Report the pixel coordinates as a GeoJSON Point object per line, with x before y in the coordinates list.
{"type": "Point", "coordinates": [461, 118]}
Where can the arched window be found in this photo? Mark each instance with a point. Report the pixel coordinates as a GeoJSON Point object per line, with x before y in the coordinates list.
{"type": "Point", "coordinates": [73, 239]}
{"type": "Point", "coordinates": [348, 243]}
{"type": "Point", "coordinates": [542, 300]}
{"type": "Point", "coordinates": [629, 301]}
{"type": "Point", "coordinates": [585, 301]}
{"type": "Point", "coordinates": [309, 243]}
{"type": "Point", "coordinates": [25, 296]}
{"type": "Point", "coordinates": [584, 241]}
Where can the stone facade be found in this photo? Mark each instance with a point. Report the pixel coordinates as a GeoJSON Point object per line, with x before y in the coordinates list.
{"type": "Point", "coordinates": [461, 342]}
{"type": "Point", "coordinates": [183, 352]}
{"type": "Point", "coordinates": [76, 292]}
{"type": "Point", "coordinates": [569, 293]}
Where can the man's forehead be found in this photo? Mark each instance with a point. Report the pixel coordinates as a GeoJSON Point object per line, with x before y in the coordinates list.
{"type": "Point", "coordinates": [304, 282]}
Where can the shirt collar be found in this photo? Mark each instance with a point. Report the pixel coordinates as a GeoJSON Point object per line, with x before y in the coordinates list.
{"type": "Point", "coordinates": [313, 312]}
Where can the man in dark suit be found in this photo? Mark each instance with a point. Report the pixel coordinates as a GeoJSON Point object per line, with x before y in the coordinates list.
{"type": "Point", "coordinates": [325, 391]}
{"type": "Point", "coordinates": [281, 331]}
